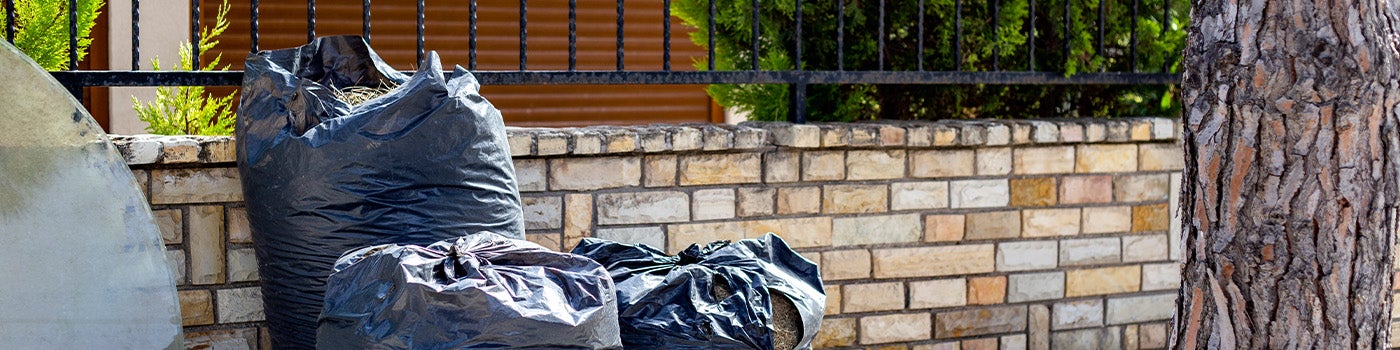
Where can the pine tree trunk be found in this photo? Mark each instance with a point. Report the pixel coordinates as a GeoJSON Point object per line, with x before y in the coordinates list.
{"type": "Point", "coordinates": [1289, 200]}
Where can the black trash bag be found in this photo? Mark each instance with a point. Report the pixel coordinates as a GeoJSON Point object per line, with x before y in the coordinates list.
{"type": "Point", "coordinates": [425, 162]}
{"type": "Point", "coordinates": [717, 296]}
{"type": "Point", "coordinates": [480, 291]}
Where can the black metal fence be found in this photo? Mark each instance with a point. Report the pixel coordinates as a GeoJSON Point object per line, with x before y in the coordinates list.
{"type": "Point", "coordinates": [75, 80]}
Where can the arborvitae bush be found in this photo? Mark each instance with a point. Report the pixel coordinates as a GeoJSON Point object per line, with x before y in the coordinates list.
{"type": "Point", "coordinates": [190, 110]}
{"type": "Point", "coordinates": [41, 30]}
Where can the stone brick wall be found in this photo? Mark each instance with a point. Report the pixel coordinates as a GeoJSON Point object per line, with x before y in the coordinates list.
{"type": "Point", "coordinates": [971, 234]}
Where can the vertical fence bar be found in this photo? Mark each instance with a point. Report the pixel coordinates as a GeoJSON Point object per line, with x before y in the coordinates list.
{"type": "Point", "coordinates": [135, 32]}
{"type": "Point", "coordinates": [10, 19]}
{"type": "Point", "coordinates": [573, 35]}
{"type": "Point", "coordinates": [996, 35]}
{"type": "Point", "coordinates": [73, 35]}
{"type": "Point", "coordinates": [310, 20]}
{"type": "Point", "coordinates": [753, 59]}
{"type": "Point", "coordinates": [194, 32]}
{"type": "Point", "coordinates": [420, 27]}
{"type": "Point", "coordinates": [919, 55]}
{"type": "Point", "coordinates": [880, 46]}
{"type": "Point", "coordinates": [1030, 34]}
{"type": "Point", "coordinates": [798, 91]}
{"type": "Point", "coordinates": [797, 59]}
{"type": "Point", "coordinates": [1099, 49]}
{"type": "Point", "coordinates": [957, 35]}
{"type": "Point", "coordinates": [620, 25]}
{"type": "Point", "coordinates": [711, 60]}
{"type": "Point", "coordinates": [840, 35]}
{"type": "Point", "coordinates": [1166, 22]}
{"type": "Point", "coordinates": [364, 20]}
{"type": "Point", "coordinates": [252, 26]}
{"type": "Point", "coordinates": [666, 35]}
{"type": "Point", "coordinates": [1133, 41]}
{"type": "Point", "coordinates": [471, 35]}
{"type": "Point", "coordinates": [523, 33]}
{"type": "Point", "coordinates": [1068, 28]}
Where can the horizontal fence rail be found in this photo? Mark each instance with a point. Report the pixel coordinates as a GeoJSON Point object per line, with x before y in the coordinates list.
{"type": "Point", "coordinates": [798, 77]}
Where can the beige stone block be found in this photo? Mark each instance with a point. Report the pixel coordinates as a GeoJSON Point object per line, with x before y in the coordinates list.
{"type": "Point", "coordinates": [1027, 255]}
{"type": "Point", "coordinates": [944, 228]}
{"type": "Point", "coordinates": [755, 201]}
{"type": "Point", "coordinates": [1145, 248]}
{"type": "Point", "coordinates": [542, 213]}
{"type": "Point", "coordinates": [587, 141]}
{"type": "Point", "coordinates": [750, 138]}
{"type": "Point", "coordinates": [220, 339]}
{"type": "Point", "coordinates": [1141, 308]}
{"type": "Point", "coordinates": [578, 215]}
{"type": "Point", "coordinates": [1160, 156]}
{"type": "Point", "coordinates": [206, 244]}
{"type": "Point", "coordinates": [172, 225]}
{"type": "Point", "coordinates": [1043, 160]}
{"type": "Point", "coordinates": [717, 138]}
{"type": "Point", "coordinates": [1036, 286]}
{"type": "Point", "coordinates": [998, 134]}
{"type": "Point", "coordinates": [986, 290]}
{"type": "Point", "coordinates": [980, 344]}
{"type": "Point", "coordinates": [529, 175]}
{"type": "Point", "coordinates": [799, 136]}
{"type": "Point", "coordinates": [836, 135]}
{"type": "Point", "coordinates": [652, 140]}
{"type": "Point", "coordinates": [782, 167]}
{"type": "Point", "coordinates": [918, 135]}
{"type": "Point", "coordinates": [918, 195]}
{"type": "Point", "coordinates": [1101, 158]}
{"type": "Point", "coordinates": [1086, 189]}
{"type": "Point", "coordinates": [619, 141]}
{"type": "Point", "coordinates": [944, 135]}
{"type": "Point", "coordinates": [799, 200]}
{"type": "Point", "coordinates": [1078, 314]}
{"type": "Point", "coordinates": [864, 230]}
{"type": "Point", "coordinates": [714, 169]}
{"type": "Point", "coordinates": [1104, 280]}
{"type": "Point", "coordinates": [1174, 222]}
{"type": "Point", "coordinates": [242, 265]}
{"type": "Point", "coordinates": [798, 232]}
{"type": "Point", "coordinates": [521, 142]}
{"type": "Point", "coordinates": [948, 345]}
{"type": "Point", "coordinates": [197, 185]}
{"type": "Point", "coordinates": [981, 321]}
{"type": "Point", "coordinates": [993, 225]}
{"type": "Point", "coordinates": [938, 293]}
{"type": "Point", "coordinates": [1044, 131]}
{"type": "Point", "coordinates": [934, 261]}
{"type": "Point", "coordinates": [892, 135]}
{"type": "Point", "coordinates": [551, 241]}
{"type": "Point", "coordinates": [179, 149]}
{"type": "Point", "coordinates": [660, 171]}
{"type": "Point", "coordinates": [1141, 188]}
{"type": "Point", "coordinates": [176, 257]}
{"type": "Point", "coordinates": [240, 305]}
{"type": "Point", "coordinates": [943, 163]}
{"type": "Point", "coordinates": [1050, 222]}
{"type": "Point", "coordinates": [652, 236]}
{"type": "Point", "coordinates": [1154, 336]}
{"type": "Point", "coordinates": [874, 164]}
{"type": "Point", "coordinates": [833, 299]}
{"type": "Point", "coordinates": [845, 264]}
{"type": "Point", "coordinates": [643, 207]}
{"type": "Point", "coordinates": [1071, 132]}
{"type": "Point", "coordinates": [1093, 251]}
{"type": "Point", "coordinates": [873, 297]}
{"type": "Point", "coordinates": [835, 333]}
{"type": "Point", "coordinates": [712, 204]}
{"type": "Point", "coordinates": [823, 165]}
{"type": "Point", "coordinates": [196, 308]}
{"type": "Point", "coordinates": [143, 181]}
{"type": "Point", "coordinates": [979, 193]}
{"type": "Point", "coordinates": [994, 161]}
{"type": "Point", "coordinates": [1165, 276]}
{"type": "Point", "coordinates": [1163, 128]}
{"type": "Point", "coordinates": [238, 229]}
{"type": "Point", "coordinates": [552, 143]}
{"type": "Point", "coordinates": [1140, 130]}
{"type": "Point", "coordinates": [864, 135]}
{"type": "Point", "coordinates": [846, 199]}
{"type": "Point", "coordinates": [583, 174]}
{"type": "Point", "coordinates": [1038, 334]}
{"type": "Point", "coordinates": [1107, 219]}
{"type": "Point", "coordinates": [895, 328]}
{"type": "Point", "coordinates": [1033, 192]}
{"type": "Point", "coordinates": [1151, 218]}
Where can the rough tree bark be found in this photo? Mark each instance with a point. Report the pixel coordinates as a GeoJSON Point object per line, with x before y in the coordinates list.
{"type": "Point", "coordinates": [1289, 200]}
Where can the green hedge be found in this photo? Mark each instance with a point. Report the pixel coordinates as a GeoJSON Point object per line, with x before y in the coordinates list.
{"type": "Point", "coordinates": [855, 102]}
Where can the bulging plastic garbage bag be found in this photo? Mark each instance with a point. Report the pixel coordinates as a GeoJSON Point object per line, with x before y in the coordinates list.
{"type": "Point", "coordinates": [425, 162]}
{"type": "Point", "coordinates": [716, 296]}
{"type": "Point", "coordinates": [480, 291]}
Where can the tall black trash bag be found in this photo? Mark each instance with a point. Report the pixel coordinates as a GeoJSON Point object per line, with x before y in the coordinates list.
{"type": "Point", "coordinates": [480, 291]}
{"type": "Point", "coordinates": [426, 162]}
{"type": "Point", "coordinates": [717, 296]}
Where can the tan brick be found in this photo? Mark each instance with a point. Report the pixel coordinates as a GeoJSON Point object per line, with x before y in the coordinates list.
{"type": "Point", "coordinates": [178, 149]}
{"type": "Point", "coordinates": [643, 207]}
{"type": "Point", "coordinates": [1151, 218]}
{"type": "Point", "coordinates": [1141, 188]}
{"type": "Point", "coordinates": [798, 232]}
{"type": "Point", "coordinates": [801, 136]}
{"type": "Point", "coordinates": [833, 299]}
{"type": "Point", "coordinates": [1145, 248]}
{"type": "Point", "coordinates": [551, 143]}
{"type": "Point", "coordinates": [1043, 160]}
{"type": "Point", "coordinates": [1107, 219]}
{"type": "Point", "coordinates": [1141, 308]}
{"type": "Point", "coordinates": [1165, 276]}
{"type": "Point", "coordinates": [864, 135]}
{"type": "Point", "coordinates": [998, 134]}
{"type": "Point", "coordinates": [1160, 156]}
{"type": "Point", "coordinates": [986, 290]}
{"type": "Point", "coordinates": [836, 135]}
{"type": "Point", "coordinates": [713, 169]}
{"type": "Point", "coordinates": [823, 165]}
{"type": "Point", "coordinates": [171, 224]}
{"type": "Point", "coordinates": [1086, 189]}
{"type": "Point", "coordinates": [238, 229]}
{"type": "Point", "coordinates": [845, 199]}
{"type": "Point", "coordinates": [918, 195]}
{"type": "Point", "coordinates": [1050, 222]}
{"type": "Point", "coordinates": [835, 333]}
{"type": "Point", "coordinates": [202, 185]}
{"type": "Point", "coordinates": [236, 338]}
{"type": "Point", "coordinates": [196, 308]}
{"type": "Point", "coordinates": [550, 241]}
{"type": "Point", "coordinates": [938, 293]}
{"type": "Point", "coordinates": [845, 264]}
{"type": "Point", "coordinates": [176, 258]}
{"type": "Point", "coordinates": [1154, 336]}
{"type": "Point", "coordinates": [1038, 336]}
{"type": "Point", "coordinates": [892, 135]}
{"type": "Point", "coordinates": [895, 328]}
{"type": "Point", "coordinates": [944, 135]}
{"type": "Point", "coordinates": [1027, 255]}
{"type": "Point", "coordinates": [974, 322]}
{"type": "Point", "coordinates": [206, 244]}
{"type": "Point", "coordinates": [948, 345]}
{"type": "Point", "coordinates": [712, 204]}
{"type": "Point", "coordinates": [578, 216]}
{"type": "Point", "coordinates": [934, 261]}
{"type": "Point", "coordinates": [755, 201]}
{"type": "Point", "coordinates": [799, 200]}
{"type": "Point", "coordinates": [240, 305]}
{"type": "Point", "coordinates": [1140, 130]}
{"type": "Point", "coordinates": [943, 163]}
{"type": "Point", "coordinates": [1106, 158]}
{"type": "Point", "coordinates": [1130, 338]}
{"type": "Point", "coordinates": [1033, 192]}
{"type": "Point", "coordinates": [881, 229]}
{"type": "Point", "coordinates": [873, 297]}
{"type": "Point", "coordinates": [782, 167]}
{"type": "Point", "coordinates": [1071, 132]}
{"type": "Point", "coordinates": [1036, 286]}
{"type": "Point", "coordinates": [660, 171]}
{"type": "Point", "coordinates": [1091, 251]}
{"type": "Point", "coordinates": [979, 193]}
{"type": "Point", "coordinates": [980, 344]}
{"type": "Point", "coordinates": [529, 175]}
{"type": "Point", "coordinates": [1078, 314]}
{"type": "Point", "coordinates": [874, 165]}
{"type": "Point", "coordinates": [943, 228]}
{"type": "Point", "coordinates": [993, 225]}
{"type": "Point", "coordinates": [1174, 222]}
{"type": "Point", "coordinates": [242, 265]}
{"type": "Point", "coordinates": [994, 161]}
{"type": "Point", "coordinates": [1105, 280]}
{"type": "Point", "coordinates": [582, 174]}
{"type": "Point", "coordinates": [587, 141]}
{"type": "Point", "coordinates": [542, 213]}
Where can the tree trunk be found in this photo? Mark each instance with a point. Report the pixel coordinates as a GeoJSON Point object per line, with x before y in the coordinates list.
{"type": "Point", "coordinates": [1289, 200]}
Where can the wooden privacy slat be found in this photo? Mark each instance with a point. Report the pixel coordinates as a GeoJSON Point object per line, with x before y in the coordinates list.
{"type": "Point", "coordinates": [394, 22]}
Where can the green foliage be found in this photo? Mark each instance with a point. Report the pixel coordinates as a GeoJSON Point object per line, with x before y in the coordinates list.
{"type": "Point", "coordinates": [41, 30]}
{"type": "Point", "coordinates": [987, 40]}
{"type": "Point", "coordinates": [189, 110]}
